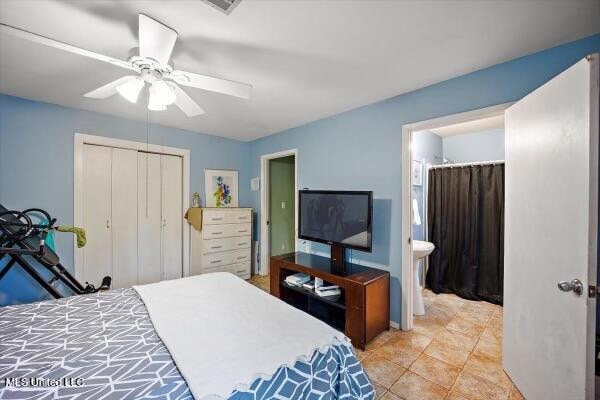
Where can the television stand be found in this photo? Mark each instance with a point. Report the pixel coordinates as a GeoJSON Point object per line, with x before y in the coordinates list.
{"type": "Point", "coordinates": [362, 311]}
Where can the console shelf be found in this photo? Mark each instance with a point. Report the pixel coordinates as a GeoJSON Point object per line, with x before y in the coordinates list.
{"type": "Point", "coordinates": [361, 310]}
{"type": "Point", "coordinates": [336, 301]}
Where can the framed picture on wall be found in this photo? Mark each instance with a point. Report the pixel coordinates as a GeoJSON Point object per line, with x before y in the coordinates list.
{"type": "Point", "coordinates": [417, 172]}
{"type": "Point", "coordinates": [221, 188]}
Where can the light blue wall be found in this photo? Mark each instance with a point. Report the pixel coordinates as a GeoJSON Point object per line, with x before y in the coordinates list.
{"type": "Point", "coordinates": [474, 147]}
{"type": "Point", "coordinates": [361, 149]}
{"type": "Point", "coordinates": [36, 164]}
{"type": "Point", "coordinates": [427, 147]}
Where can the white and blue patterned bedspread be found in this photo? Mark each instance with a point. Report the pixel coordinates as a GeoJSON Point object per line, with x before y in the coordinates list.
{"type": "Point", "coordinates": [104, 346]}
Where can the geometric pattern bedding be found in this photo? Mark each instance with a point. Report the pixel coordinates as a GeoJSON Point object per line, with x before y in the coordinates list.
{"type": "Point", "coordinates": [104, 346]}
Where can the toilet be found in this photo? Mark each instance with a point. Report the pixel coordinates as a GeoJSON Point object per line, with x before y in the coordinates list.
{"type": "Point", "coordinates": [421, 249]}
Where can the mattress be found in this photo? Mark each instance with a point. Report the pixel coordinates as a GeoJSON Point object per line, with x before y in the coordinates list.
{"type": "Point", "coordinates": [105, 346]}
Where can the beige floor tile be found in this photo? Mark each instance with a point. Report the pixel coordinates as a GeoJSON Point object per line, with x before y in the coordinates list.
{"type": "Point", "coordinates": [455, 396]}
{"type": "Point", "coordinates": [427, 327]}
{"type": "Point", "coordinates": [477, 317]}
{"type": "Point", "coordinates": [411, 386]}
{"type": "Point", "coordinates": [381, 339]}
{"type": "Point", "coordinates": [435, 370]}
{"type": "Point", "coordinates": [382, 371]}
{"type": "Point", "coordinates": [474, 387]}
{"type": "Point", "coordinates": [492, 335]}
{"type": "Point", "coordinates": [468, 327]}
{"type": "Point", "coordinates": [390, 396]}
{"type": "Point", "coordinates": [515, 394]}
{"type": "Point", "coordinates": [361, 354]}
{"type": "Point", "coordinates": [457, 339]}
{"type": "Point", "coordinates": [496, 322]}
{"type": "Point", "coordinates": [379, 390]}
{"type": "Point", "coordinates": [449, 354]}
{"type": "Point", "coordinates": [411, 338]}
{"type": "Point", "coordinates": [488, 349]}
{"type": "Point", "coordinates": [488, 368]}
{"type": "Point", "coordinates": [398, 353]}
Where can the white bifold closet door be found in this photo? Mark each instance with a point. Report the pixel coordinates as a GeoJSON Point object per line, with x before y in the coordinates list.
{"type": "Point", "coordinates": [124, 218]}
{"type": "Point", "coordinates": [133, 216]}
{"type": "Point", "coordinates": [97, 200]}
{"type": "Point", "coordinates": [172, 213]}
{"type": "Point", "coordinates": [149, 218]}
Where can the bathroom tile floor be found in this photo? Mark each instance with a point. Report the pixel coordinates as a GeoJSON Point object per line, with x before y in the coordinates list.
{"type": "Point", "coordinates": [454, 352]}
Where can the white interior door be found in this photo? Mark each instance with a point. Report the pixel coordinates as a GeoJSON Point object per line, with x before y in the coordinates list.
{"type": "Point", "coordinates": [97, 254]}
{"type": "Point", "coordinates": [149, 217]}
{"type": "Point", "coordinates": [124, 218]}
{"type": "Point", "coordinates": [550, 235]}
{"type": "Point", "coordinates": [172, 217]}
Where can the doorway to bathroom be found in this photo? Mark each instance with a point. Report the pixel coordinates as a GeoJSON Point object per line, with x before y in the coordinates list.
{"type": "Point", "coordinates": [452, 165]}
{"type": "Point", "coordinates": [543, 336]}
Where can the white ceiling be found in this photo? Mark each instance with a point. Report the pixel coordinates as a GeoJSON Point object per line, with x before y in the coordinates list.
{"type": "Point", "coordinates": [478, 125]}
{"type": "Point", "coordinates": [306, 59]}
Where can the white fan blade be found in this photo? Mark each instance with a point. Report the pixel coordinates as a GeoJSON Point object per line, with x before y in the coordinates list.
{"type": "Point", "coordinates": [109, 89]}
{"type": "Point", "coordinates": [32, 37]}
{"type": "Point", "coordinates": [156, 40]}
{"type": "Point", "coordinates": [217, 85]}
{"type": "Point", "coordinates": [185, 102]}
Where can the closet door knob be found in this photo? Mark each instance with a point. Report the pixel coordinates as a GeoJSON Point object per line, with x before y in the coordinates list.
{"type": "Point", "coordinates": [164, 222]}
{"type": "Point", "coordinates": [107, 224]}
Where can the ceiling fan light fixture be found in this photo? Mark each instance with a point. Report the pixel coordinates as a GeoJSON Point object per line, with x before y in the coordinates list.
{"type": "Point", "coordinates": [161, 94]}
{"type": "Point", "coordinates": [130, 90]}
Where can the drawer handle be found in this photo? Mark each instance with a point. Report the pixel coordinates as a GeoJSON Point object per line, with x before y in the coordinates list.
{"type": "Point", "coordinates": [242, 217]}
{"type": "Point", "coordinates": [241, 243]}
{"type": "Point", "coordinates": [216, 218]}
{"type": "Point", "coordinates": [215, 261]}
{"type": "Point", "coordinates": [241, 257]}
{"type": "Point", "coordinates": [217, 233]}
{"type": "Point", "coordinates": [216, 247]}
{"type": "Point", "coordinates": [242, 230]}
{"type": "Point", "coordinates": [241, 271]}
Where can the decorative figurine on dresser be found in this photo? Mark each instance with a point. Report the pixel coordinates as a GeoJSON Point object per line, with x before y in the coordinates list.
{"type": "Point", "coordinates": [221, 241]}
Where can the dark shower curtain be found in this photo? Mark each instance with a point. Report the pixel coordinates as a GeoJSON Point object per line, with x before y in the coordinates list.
{"type": "Point", "coordinates": [466, 225]}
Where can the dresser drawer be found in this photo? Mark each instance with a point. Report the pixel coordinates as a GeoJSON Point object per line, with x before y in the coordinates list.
{"type": "Point", "coordinates": [215, 217]}
{"type": "Point", "coordinates": [225, 258]}
{"type": "Point", "coordinates": [225, 244]}
{"type": "Point", "coordinates": [241, 269]}
{"type": "Point", "coordinates": [226, 230]}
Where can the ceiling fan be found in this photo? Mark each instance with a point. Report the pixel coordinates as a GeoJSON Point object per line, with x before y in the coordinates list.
{"type": "Point", "coordinates": [151, 67]}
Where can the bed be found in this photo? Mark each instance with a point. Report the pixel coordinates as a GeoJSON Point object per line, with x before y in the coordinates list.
{"type": "Point", "coordinates": [134, 343]}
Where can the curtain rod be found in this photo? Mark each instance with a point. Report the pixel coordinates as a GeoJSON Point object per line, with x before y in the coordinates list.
{"type": "Point", "coordinates": [467, 164]}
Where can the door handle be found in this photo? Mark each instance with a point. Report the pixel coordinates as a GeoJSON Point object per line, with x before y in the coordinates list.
{"type": "Point", "coordinates": [574, 286]}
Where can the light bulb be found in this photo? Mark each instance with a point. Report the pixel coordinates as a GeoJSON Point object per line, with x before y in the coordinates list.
{"type": "Point", "coordinates": [130, 90]}
{"type": "Point", "coordinates": [161, 95]}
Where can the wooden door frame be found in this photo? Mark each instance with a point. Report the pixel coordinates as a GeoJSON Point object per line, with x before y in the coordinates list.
{"type": "Point", "coordinates": [264, 205]}
{"type": "Point", "coordinates": [81, 139]}
{"type": "Point", "coordinates": [406, 320]}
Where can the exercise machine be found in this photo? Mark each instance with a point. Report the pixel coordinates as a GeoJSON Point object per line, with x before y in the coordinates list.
{"type": "Point", "coordinates": [20, 238]}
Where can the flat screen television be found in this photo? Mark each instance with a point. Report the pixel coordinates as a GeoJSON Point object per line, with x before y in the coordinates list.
{"type": "Point", "coordinates": [338, 218]}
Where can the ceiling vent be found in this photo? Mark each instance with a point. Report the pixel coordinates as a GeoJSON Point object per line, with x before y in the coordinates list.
{"type": "Point", "coordinates": [225, 6]}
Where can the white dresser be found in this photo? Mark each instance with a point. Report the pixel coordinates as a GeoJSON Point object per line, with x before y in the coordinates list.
{"type": "Point", "coordinates": [224, 242]}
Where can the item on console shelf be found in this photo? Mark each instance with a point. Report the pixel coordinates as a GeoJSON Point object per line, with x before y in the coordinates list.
{"type": "Point", "coordinates": [310, 285]}
{"type": "Point", "coordinates": [328, 293]}
{"type": "Point", "coordinates": [297, 279]}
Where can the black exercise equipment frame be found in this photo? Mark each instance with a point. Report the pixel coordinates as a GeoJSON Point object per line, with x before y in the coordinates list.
{"type": "Point", "coordinates": [20, 237]}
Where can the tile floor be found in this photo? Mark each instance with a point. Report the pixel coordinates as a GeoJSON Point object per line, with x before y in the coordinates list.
{"type": "Point", "coordinates": [454, 352]}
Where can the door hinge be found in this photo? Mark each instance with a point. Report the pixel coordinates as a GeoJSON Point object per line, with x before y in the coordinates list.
{"type": "Point", "coordinates": [592, 291]}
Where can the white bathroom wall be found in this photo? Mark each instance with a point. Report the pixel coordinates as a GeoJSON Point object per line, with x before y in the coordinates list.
{"type": "Point", "coordinates": [475, 147]}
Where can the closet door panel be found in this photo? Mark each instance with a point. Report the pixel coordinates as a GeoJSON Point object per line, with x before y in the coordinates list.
{"type": "Point", "coordinates": [149, 218]}
{"type": "Point", "coordinates": [124, 218]}
{"type": "Point", "coordinates": [97, 254]}
{"type": "Point", "coordinates": [172, 215]}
